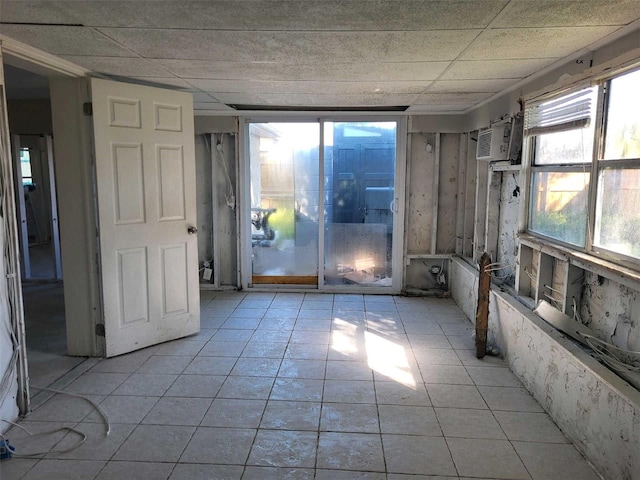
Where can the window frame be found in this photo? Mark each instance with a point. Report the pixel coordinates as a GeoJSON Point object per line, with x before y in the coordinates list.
{"type": "Point", "coordinates": [595, 168]}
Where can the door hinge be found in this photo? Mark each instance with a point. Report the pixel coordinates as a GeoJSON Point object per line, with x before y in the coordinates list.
{"type": "Point", "coordinates": [87, 108]}
{"type": "Point", "coordinates": [100, 329]}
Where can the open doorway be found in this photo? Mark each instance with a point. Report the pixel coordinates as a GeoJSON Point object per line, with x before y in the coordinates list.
{"type": "Point", "coordinates": [31, 132]}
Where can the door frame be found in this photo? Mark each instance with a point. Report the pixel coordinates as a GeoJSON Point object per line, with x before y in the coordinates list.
{"type": "Point", "coordinates": [244, 201]}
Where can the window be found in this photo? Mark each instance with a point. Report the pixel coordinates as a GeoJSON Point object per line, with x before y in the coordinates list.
{"type": "Point", "coordinates": [25, 166]}
{"type": "Point", "coordinates": [563, 133]}
{"type": "Point", "coordinates": [568, 152]}
{"type": "Point", "coordinates": [617, 225]}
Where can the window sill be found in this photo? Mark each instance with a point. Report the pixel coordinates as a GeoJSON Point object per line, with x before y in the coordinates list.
{"type": "Point", "coordinates": [623, 275]}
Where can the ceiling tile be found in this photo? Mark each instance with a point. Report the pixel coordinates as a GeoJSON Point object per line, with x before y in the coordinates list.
{"type": "Point", "coordinates": [401, 71]}
{"type": "Point", "coordinates": [567, 13]}
{"type": "Point", "coordinates": [495, 69]}
{"type": "Point", "coordinates": [316, 100]}
{"type": "Point", "coordinates": [210, 106]}
{"type": "Point", "coordinates": [27, 11]}
{"type": "Point", "coordinates": [295, 47]}
{"type": "Point", "coordinates": [199, 97]}
{"type": "Point", "coordinates": [294, 15]}
{"type": "Point", "coordinates": [120, 66]}
{"type": "Point", "coordinates": [65, 40]}
{"type": "Point", "coordinates": [469, 86]}
{"type": "Point", "coordinates": [305, 87]}
{"type": "Point", "coordinates": [451, 98]}
{"type": "Point", "coordinates": [522, 43]}
{"type": "Point", "coordinates": [437, 108]}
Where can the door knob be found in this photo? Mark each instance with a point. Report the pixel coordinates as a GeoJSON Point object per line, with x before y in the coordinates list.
{"type": "Point", "coordinates": [192, 230]}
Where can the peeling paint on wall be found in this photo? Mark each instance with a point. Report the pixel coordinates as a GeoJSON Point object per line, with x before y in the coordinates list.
{"type": "Point", "coordinates": [508, 226]}
{"type": "Point", "coordinates": [612, 311]}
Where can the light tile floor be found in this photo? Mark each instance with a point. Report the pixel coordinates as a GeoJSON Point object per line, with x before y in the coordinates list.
{"type": "Point", "coordinates": [295, 386]}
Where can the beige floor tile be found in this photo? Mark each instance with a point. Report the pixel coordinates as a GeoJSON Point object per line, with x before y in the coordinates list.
{"type": "Point", "coordinates": [170, 364]}
{"type": "Point", "coordinates": [191, 471]}
{"type": "Point", "coordinates": [223, 446]}
{"type": "Point", "coordinates": [294, 368]}
{"type": "Point", "coordinates": [489, 458]}
{"type": "Point", "coordinates": [247, 388]}
{"type": "Point", "coordinates": [64, 408]}
{"type": "Point", "coordinates": [447, 374]}
{"type": "Point", "coordinates": [135, 471]}
{"type": "Point", "coordinates": [146, 384]}
{"type": "Point", "coordinates": [417, 455]}
{"type": "Point", "coordinates": [349, 417]}
{"type": "Point", "coordinates": [288, 415]}
{"type": "Point", "coordinates": [97, 446]}
{"type": "Point", "coordinates": [206, 386]}
{"type": "Point", "coordinates": [282, 448]}
{"type": "Point", "coordinates": [509, 399]}
{"type": "Point", "coordinates": [306, 351]}
{"type": "Point", "coordinates": [495, 377]}
{"type": "Point", "coordinates": [409, 420]}
{"type": "Point", "coordinates": [225, 412]}
{"type": "Point", "coordinates": [97, 383]}
{"type": "Point", "coordinates": [348, 475]}
{"type": "Point", "coordinates": [437, 356]}
{"type": "Point", "coordinates": [221, 348]}
{"type": "Point", "coordinates": [297, 389]}
{"type": "Point", "coordinates": [348, 370]}
{"type": "Point", "coordinates": [345, 391]}
{"type": "Point", "coordinates": [529, 427]}
{"type": "Point", "coordinates": [155, 443]}
{"type": "Point", "coordinates": [455, 396]}
{"type": "Point", "coordinates": [547, 461]}
{"type": "Point", "coordinates": [256, 367]}
{"type": "Point", "coordinates": [350, 451]}
{"type": "Point", "coordinates": [467, 423]}
{"type": "Point", "coordinates": [395, 393]}
{"type": "Point", "coordinates": [274, 473]}
{"type": "Point", "coordinates": [64, 470]}
{"type": "Point", "coordinates": [123, 409]}
{"type": "Point", "coordinates": [211, 366]}
{"type": "Point", "coordinates": [178, 411]}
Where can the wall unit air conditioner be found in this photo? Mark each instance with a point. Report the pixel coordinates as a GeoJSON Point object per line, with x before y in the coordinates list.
{"type": "Point", "coordinates": [493, 143]}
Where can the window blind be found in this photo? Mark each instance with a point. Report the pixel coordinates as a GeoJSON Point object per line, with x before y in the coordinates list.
{"type": "Point", "coordinates": [567, 112]}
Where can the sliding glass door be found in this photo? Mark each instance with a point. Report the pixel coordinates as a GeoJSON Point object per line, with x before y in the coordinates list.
{"type": "Point", "coordinates": [322, 205]}
{"type": "Point", "coordinates": [283, 166]}
{"type": "Point", "coordinates": [359, 160]}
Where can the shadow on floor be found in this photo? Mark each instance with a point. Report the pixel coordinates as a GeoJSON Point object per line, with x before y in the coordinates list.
{"type": "Point", "coordinates": [46, 333]}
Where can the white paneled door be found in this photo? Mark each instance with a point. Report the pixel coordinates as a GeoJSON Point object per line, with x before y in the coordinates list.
{"type": "Point", "coordinates": [145, 171]}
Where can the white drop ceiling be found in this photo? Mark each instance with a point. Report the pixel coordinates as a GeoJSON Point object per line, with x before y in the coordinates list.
{"type": "Point", "coordinates": [428, 55]}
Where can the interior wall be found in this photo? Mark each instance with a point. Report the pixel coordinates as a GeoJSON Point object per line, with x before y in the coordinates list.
{"type": "Point", "coordinates": [8, 404]}
{"type": "Point", "coordinates": [73, 153]}
{"type": "Point", "coordinates": [30, 117]}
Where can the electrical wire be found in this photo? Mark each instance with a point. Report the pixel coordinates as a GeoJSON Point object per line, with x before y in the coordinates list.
{"type": "Point", "coordinates": [230, 196]}
{"type": "Point", "coordinates": [102, 413]}
{"type": "Point", "coordinates": [607, 352]}
{"type": "Point", "coordinates": [83, 439]}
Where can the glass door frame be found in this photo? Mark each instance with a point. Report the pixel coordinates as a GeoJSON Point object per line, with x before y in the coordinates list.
{"type": "Point", "coordinates": [244, 205]}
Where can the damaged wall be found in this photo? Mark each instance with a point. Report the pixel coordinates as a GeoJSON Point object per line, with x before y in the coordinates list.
{"type": "Point", "coordinates": [596, 409]}
{"type": "Point", "coordinates": [507, 250]}
{"type": "Point", "coordinates": [612, 310]}
{"type": "Point", "coordinates": [216, 219]}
